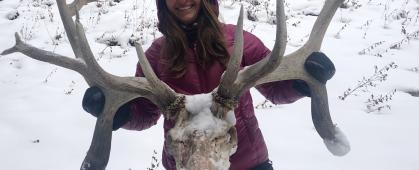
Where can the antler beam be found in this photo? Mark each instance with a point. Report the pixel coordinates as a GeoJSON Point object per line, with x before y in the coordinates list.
{"type": "Point", "coordinates": [238, 83]}
{"type": "Point", "coordinates": [275, 68]}
{"type": "Point", "coordinates": [78, 4]}
{"type": "Point", "coordinates": [292, 67]}
{"type": "Point", "coordinates": [120, 90]}
{"type": "Point", "coordinates": [45, 56]}
{"type": "Point", "coordinates": [117, 90]}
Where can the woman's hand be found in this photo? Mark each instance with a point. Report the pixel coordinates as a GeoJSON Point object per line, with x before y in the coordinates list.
{"type": "Point", "coordinates": [94, 101]}
{"type": "Point", "coordinates": [320, 67]}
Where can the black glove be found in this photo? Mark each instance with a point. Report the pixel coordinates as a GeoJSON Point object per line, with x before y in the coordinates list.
{"type": "Point", "coordinates": [320, 67]}
{"type": "Point", "coordinates": [94, 101]}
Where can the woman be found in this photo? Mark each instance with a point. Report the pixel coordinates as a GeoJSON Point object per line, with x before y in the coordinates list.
{"type": "Point", "coordinates": [191, 57]}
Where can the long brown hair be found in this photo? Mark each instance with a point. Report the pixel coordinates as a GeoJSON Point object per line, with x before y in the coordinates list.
{"type": "Point", "coordinates": [209, 45]}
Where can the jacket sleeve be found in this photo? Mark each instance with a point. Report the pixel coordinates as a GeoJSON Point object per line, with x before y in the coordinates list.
{"type": "Point", "coordinates": [279, 92]}
{"type": "Point", "coordinates": [144, 113]}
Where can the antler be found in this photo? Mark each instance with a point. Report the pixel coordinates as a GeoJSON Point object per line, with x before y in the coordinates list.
{"type": "Point", "coordinates": [118, 90]}
{"type": "Point", "coordinates": [233, 87]}
{"type": "Point", "coordinates": [270, 69]}
{"type": "Point", "coordinates": [77, 4]}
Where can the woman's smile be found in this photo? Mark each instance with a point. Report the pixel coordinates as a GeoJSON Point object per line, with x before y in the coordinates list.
{"type": "Point", "coordinates": [185, 11]}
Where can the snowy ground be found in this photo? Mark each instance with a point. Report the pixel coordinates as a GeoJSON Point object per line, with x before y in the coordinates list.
{"type": "Point", "coordinates": [43, 127]}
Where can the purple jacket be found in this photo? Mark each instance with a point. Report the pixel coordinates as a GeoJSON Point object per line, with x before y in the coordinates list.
{"type": "Point", "coordinates": [251, 145]}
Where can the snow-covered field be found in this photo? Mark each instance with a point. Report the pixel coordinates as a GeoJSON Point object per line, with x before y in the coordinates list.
{"type": "Point", "coordinates": [43, 127]}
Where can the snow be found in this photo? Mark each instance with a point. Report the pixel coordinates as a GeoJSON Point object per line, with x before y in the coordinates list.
{"type": "Point", "coordinates": [43, 126]}
{"type": "Point", "coordinates": [340, 145]}
{"type": "Point", "coordinates": [197, 103]}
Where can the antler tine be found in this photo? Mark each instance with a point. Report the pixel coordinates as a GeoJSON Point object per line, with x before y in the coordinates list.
{"type": "Point", "coordinates": [250, 75]}
{"type": "Point", "coordinates": [74, 30]}
{"type": "Point", "coordinates": [322, 23]}
{"type": "Point", "coordinates": [70, 27]}
{"type": "Point", "coordinates": [81, 48]}
{"type": "Point", "coordinates": [164, 95]}
{"type": "Point", "coordinates": [233, 67]}
{"type": "Point", "coordinates": [78, 35]}
{"type": "Point", "coordinates": [77, 4]}
{"type": "Point", "coordinates": [280, 37]}
{"type": "Point", "coordinates": [297, 58]}
{"type": "Point", "coordinates": [46, 56]}
{"type": "Point", "coordinates": [88, 55]}
{"type": "Point", "coordinates": [333, 138]}
{"type": "Point", "coordinates": [247, 77]}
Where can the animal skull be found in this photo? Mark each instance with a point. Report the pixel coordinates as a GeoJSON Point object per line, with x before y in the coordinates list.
{"type": "Point", "coordinates": [200, 139]}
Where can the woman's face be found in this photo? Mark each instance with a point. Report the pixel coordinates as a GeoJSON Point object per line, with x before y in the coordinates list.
{"type": "Point", "coordinates": [185, 11]}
